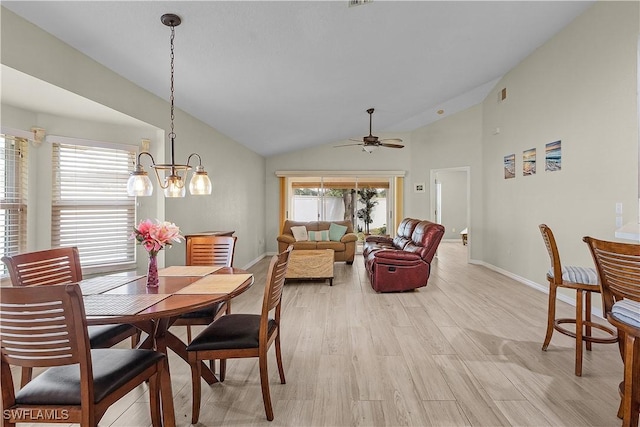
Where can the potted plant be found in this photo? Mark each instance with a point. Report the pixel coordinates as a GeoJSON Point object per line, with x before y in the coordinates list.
{"type": "Point", "coordinates": [367, 196]}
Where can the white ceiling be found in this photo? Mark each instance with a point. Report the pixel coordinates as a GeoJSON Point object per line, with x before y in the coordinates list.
{"type": "Point", "coordinates": [280, 76]}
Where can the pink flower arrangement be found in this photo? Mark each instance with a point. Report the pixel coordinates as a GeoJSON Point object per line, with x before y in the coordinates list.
{"type": "Point", "coordinates": [155, 236]}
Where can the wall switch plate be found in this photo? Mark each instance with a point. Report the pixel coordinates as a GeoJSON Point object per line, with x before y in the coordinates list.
{"type": "Point", "coordinates": [618, 221]}
{"type": "Point", "coordinates": [619, 208]}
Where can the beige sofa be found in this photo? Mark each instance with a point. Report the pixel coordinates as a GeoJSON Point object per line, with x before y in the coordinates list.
{"type": "Point", "coordinates": [343, 250]}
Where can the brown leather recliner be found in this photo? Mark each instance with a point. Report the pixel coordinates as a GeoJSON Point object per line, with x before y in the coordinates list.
{"type": "Point", "coordinates": [404, 262]}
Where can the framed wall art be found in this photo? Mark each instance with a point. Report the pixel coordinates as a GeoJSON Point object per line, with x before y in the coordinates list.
{"type": "Point", "coordinates": [553, 156]}
{"type": "Point", "coordinates": [510, 166]}
{"type": "Point", "coordinates": [529, 162]}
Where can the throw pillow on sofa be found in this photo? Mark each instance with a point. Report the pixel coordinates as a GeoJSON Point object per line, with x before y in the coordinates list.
{"type": "Point", "coordinates": [299, 233]}
{"type": "Point", "coordinates": [336, 231]}
{"type": "Point", "coordinates": [318, 236]}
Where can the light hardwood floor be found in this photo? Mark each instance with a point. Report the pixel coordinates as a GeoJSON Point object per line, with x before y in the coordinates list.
{"type": "Point", "coordinates": [464, 351]}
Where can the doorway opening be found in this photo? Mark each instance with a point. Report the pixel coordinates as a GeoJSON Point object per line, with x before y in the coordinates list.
{"type": "Point", "coordinates": [450, 203]}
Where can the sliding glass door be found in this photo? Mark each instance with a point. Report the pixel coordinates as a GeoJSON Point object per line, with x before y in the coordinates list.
{"type": "Point", "coordinates": [365, 201]}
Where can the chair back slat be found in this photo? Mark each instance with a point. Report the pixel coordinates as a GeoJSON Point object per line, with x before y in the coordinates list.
{"type": "Point", "coordinates": [275, 281]}
{"type": "Point", "coordinates": [37, 329]}
{"type": "Point", "coordinates": [618, 266]}
{"type": "Point", "coordinates": [57, 266]}
{"type": "Point", "coordinates": [552, 249]}
{"type": "Point", "coordinates": [211, 250]}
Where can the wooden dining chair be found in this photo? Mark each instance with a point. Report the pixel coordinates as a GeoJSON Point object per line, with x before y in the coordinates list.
{"type": "Point", "coordinates": [208, 250]}
{"type": "Point", "coordinates": [618, 266]}
{"type": "Point", "coordinates": [45, 327]}
{"type": "Point", "coordinates": [60, 266]}
{"type": "Point", "coordinates": [244, 335]}
{"type": "Point", "coordinates": [584, 281]}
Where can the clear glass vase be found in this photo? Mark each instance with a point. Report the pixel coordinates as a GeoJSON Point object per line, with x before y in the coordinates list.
{"type": "Point", "coordinates": [152, 274]}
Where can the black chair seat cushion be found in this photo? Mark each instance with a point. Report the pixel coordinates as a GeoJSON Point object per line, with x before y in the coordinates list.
{"type": "Point", "coordinates": [101, 334]}
{"type": "Point", "coordinates": [208, 312]}
{"type": "Point", "coordinates": [112, 368]}
{"type": "Point", "coordinates": [230, 331]}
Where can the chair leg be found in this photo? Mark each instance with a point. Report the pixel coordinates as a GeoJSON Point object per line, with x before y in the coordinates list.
{"type": "Point", "coordinates": [587, 318]}
{"type": "Point", "coordinates": [223, 369]}
{"type": "Point", "coordinates": [154, 400]}
{"type": "Point", "coordinates": [630, 403]}
{"type": "Point", "coordinates": [579, 332]}
{"type": "Point", "coordinates": [551, 315]}
{"type": "Point", "coordinates": [188, 333]}
{"type": "Point", "coordinates": [196, 389]}
{"type": "Point", "coordinates": [264, 382]}
{"type": "Point", "coordinates": [279, 360]}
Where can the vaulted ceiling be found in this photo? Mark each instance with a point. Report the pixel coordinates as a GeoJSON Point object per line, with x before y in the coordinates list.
{"type": "Point", "coordinates": [279, 76]}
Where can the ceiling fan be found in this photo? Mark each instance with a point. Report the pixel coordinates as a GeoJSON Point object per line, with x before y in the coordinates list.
{"type": "Point", "coordinates": [370, 142]}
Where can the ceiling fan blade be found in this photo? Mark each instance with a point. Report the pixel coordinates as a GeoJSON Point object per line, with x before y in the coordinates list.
{"type": "Point", "coordinates": [371, 140]}
{"type": "Point", "coordinates": [384, 144]}
{"type": "Point", "coordinates": [346, 145]}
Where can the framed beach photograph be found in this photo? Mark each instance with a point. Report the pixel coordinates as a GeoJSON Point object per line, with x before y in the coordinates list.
{"type": "Point", "coordinates": [510, 166]}
{"type": "Point", "coordinates": [553, 156]}
{"type": "Point", "coordinates": [529, 162]}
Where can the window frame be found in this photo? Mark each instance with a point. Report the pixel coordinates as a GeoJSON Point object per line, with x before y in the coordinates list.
{"type": "Point", "coordinates": [14, 177]}
{"type": "Point", "coordinates": [105, 222]}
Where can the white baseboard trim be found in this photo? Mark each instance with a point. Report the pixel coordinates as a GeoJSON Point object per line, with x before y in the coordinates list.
{"type": "Point", "coordinates": [542, 288]}
{"type": "Point", "coordinates": [254, 262]}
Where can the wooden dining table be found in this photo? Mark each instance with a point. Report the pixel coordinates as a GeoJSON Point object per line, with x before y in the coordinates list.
{"type": "Point", "coordinates": [125, 298]}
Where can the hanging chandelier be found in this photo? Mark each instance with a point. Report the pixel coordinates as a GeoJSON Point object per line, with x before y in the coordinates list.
{"type": "Point", "coordinates": [173, 184]}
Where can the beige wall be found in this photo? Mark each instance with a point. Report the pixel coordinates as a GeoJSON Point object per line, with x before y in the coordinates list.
{"type": "Point", "coordinates": [452, 142]}
{"type": "Point", "coordinates": [237, 202]}
{"type": "Point", "coordinates": [581, 88]}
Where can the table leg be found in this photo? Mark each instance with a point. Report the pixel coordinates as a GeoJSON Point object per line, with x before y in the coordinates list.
{"type": "Point", "coordinates": [149, 328]}
{"type": "Point", "coordinates": [168, 410]}
{"type": "Point", "coordinates": [179, 348]}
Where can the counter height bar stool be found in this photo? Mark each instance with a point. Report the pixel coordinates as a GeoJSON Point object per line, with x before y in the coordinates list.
{"type": "Point", "coordinates": [618, 266]}
{"type": "Point", "coordinates": [584, 281]}
{"type": "Point", "coordinates": [61, 266]}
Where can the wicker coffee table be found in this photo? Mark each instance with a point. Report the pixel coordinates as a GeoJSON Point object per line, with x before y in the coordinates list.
{"type": "Point", "coordinates": [311, 265]}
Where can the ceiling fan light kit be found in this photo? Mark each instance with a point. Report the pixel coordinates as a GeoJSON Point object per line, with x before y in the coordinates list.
{"type": "Point", "coordinates": [370, 142]}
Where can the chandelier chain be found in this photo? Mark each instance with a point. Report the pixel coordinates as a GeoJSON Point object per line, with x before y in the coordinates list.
{"type": "Point", "coordinates": [172, 135]}
{"type": "Point", "coordinates": [176, 174]}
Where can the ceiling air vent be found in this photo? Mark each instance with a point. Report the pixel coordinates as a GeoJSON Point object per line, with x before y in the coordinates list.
{"type": "Point", "coordinates": [358, 2]}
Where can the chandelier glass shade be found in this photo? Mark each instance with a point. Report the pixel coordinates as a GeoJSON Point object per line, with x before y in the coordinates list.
{"type": "Point", "coordinates": [173, 184]}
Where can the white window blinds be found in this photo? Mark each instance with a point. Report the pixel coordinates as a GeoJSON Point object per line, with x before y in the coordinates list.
{"type": "Point", "coordinates": [13, 196]}
{"type": "Point", "coordinates": [90, 206]}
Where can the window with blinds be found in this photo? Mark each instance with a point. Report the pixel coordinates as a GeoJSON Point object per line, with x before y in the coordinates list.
{"type": "Point", "coordinates": [90, 206]}
{"type": "Point", "coordinates": [13, 199]}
